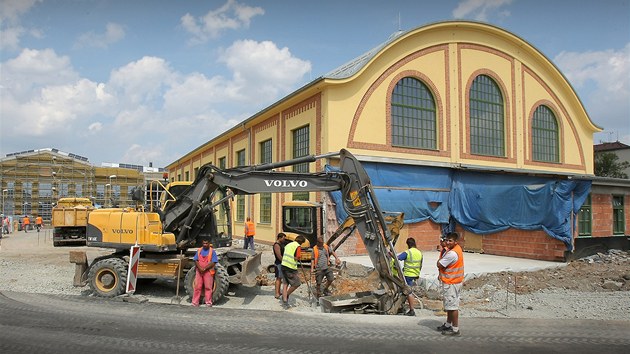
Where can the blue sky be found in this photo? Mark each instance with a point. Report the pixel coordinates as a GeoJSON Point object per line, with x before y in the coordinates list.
{"type": "Point", "coordinates": [142, 81]}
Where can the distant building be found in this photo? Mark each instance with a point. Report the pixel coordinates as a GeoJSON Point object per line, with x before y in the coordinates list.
{"type": "Point", "coordinates": [618, 148]}
{"type": "Point", "coordinates": [33, 180]}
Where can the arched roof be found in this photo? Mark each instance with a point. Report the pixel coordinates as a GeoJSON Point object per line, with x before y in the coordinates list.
{"type": "Point", "coordinates": [357, 65]}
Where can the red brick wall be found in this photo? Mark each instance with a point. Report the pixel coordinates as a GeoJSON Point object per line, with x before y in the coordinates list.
{"type": "Point", "coordinates": [602, 217]}
{"type": "Point", "coordinates": [426, 234]}
{"type": "Point", "coordinates": [601, 209]}
{"type": "Point", "coordinates": [524, 244]}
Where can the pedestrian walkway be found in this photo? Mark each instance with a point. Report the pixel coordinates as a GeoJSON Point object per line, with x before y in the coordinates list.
{"type": "Point", "coordinates": [475, 264]}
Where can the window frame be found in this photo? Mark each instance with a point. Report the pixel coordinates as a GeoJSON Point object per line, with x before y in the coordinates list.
{"type": "Point", "coordinates": [542, 136]}
{"type": "Point", "coordinates": [585, 218]}
{"type": "Point", "coordinates": [618, 214]}
{"type": "Point", "coordinates": [265, 201]}
{"type": "Point", "coordinates": [300, 148]}
{"type": "Point", "coordinates": [411, 102]}
{"type": "Point", "coordinates": [478, 107]}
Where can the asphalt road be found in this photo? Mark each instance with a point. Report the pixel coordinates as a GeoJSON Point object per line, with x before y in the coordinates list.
{"type": "Point", "coordinates": [37, 323]}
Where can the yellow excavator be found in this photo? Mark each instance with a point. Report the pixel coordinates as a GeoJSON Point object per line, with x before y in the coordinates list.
{"type": "Point", "coordinates": [166, 231]}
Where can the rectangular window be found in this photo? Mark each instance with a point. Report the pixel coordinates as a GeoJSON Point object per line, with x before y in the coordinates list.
{"type": "Point", "coordinates": [619, 226]}
{"type": "Point", "coordinates": [240, 208]}
{"type": "Point", "coordinates": [222, 163]}
{"type": "Point", "coordinates": [265, 198]}
{"type": "Point", "coordinates": [585, 219]}
{"type": "Point", "coordinates": [301, 148]}
{"type": "Point", "coordinates": [187, 176]}
{"type": "Point", "coordinates": [196, 172]}
{"type": "Point", "coordinates": [240, 158]}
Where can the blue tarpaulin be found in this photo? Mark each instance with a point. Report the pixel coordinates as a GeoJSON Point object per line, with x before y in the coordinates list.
{"type": "Point", "coordinates": [482, 203]}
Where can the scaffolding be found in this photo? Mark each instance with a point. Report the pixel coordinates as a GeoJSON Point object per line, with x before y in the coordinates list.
{"type": "Point", "coordinates": [33, 181]}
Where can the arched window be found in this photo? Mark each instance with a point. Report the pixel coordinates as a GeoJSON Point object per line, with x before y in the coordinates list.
{"type": "Point", "coordinates": [414, 121]}
{"type": "Point", "coordinates": [487, 128]}
{"type": "Point", "coordinates": [545, 145]}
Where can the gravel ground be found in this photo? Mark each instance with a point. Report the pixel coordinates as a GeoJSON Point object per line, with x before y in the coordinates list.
{"type": "Point", "coordinates": [593, 288]}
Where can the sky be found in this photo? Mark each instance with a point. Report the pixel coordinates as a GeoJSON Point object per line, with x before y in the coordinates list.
{"type": "Point", "coordinates": [147, 81]}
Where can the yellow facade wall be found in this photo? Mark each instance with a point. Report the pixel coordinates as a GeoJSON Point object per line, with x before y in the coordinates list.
{"type": "Point", "coordinates": [354, 112]}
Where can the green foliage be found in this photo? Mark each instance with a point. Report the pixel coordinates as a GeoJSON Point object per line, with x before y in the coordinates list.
{"type": "Point", "coordinates": [607, 165]}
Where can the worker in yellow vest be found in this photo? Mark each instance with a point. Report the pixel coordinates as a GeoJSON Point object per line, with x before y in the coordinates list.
{"type": "Point", "coordinates": [411, 269]}
{"type": "Point", "coordinates": [292, 253]}
{"type": "Point", "coordinates": [250, 231]}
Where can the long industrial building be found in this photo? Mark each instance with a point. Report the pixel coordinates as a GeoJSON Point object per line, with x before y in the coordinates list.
{"type": "Point", "coordinates": [462, 125]}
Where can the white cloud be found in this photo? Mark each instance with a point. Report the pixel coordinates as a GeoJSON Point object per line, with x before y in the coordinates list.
{"type": "Point", "coordinates": [11, 10]}
{"type": "Point", "coordinates": [146, 111]}
{"type": "Point", "coordinates": [35, 68]}
{"type": "Point", "coordinates": [95, 127]}
{"type": "Point", "coordinates": [113, 33]}
{"type": "Point", "coordinates": [142, 80]}
{"type": "Point", "coordinates": [231, 16]}
{"type": "Point", "coordinates": [10, 29]}
{"type": "Point", "coordinates": [261, 70]}
{"type": "Point", "coordinates": [608, 73]}
{"type": "Point", "coordinates": [480, 10]}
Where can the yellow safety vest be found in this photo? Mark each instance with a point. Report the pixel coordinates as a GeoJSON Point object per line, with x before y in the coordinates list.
{"type": "Point", "coordinates": [413, 263]}
{"type": "Point", "coordinates": [288, 259]}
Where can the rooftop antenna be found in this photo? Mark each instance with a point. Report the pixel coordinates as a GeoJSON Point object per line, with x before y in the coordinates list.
{"type": "Point", "coordinates": [399, 25]}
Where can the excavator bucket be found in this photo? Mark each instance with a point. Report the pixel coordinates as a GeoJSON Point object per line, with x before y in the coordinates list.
{"type": "Point", "coordinates": [250, 269]}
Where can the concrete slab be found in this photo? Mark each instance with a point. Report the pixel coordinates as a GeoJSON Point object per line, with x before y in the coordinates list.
{"type": "Point", "coordinates": [475, 264]}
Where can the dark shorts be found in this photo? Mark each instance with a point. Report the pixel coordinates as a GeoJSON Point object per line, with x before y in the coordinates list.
{"type": "Point", "coordinates": [410, 281]}
{"type": "Point", "coordinates": [320, 274]}
{"type": "Point", "coordinates": [291, 277]}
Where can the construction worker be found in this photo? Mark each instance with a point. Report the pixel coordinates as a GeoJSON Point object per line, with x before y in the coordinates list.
{"type": "Point", "coordinates": [320, 266]}
{"type": "Point", "coordinates": [451, 268]}
{"type": "Point", "coordinates": [411, 269]}
{"type": "Point", "coordinates": [205, 259]}
{"type": "Point", "coordinates": [250, 231]}
{"type": "Point", "coordinates": [39, 222]}
{"type": "Point", "coordinates": [278, 252]}
{"type": "Point", "coordinates": [292, 253]}
{"type": "Point", "coordinates": [25, 223]}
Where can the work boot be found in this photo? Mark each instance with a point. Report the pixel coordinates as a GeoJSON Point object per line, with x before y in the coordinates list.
{"type": "Point", "coordinates": [410, 313]}
{"type": "Point", "coordinates": [443, 327]}
{"type": "Point", "coordinates": [451, 332]}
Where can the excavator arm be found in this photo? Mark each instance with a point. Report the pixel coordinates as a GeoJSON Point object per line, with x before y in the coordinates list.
{"type": "Point", "coordinates": [214, 186]}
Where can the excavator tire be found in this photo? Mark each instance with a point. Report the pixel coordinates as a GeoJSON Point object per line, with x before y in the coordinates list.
{"type": "Point", "coordinates": [108, 277]}
{"type": "Point", "coordinates": [220, 288]}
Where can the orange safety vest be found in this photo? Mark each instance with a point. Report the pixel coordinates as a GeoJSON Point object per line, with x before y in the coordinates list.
{"type": "Point", "coordinates": [316, 252]}
{"type": "Point", "coordinates": [454, 273]}
{"type": "Point", "coordinates": [39, 220]}
{"type": "Point", "coordinates": [205, 260]}
{"type": "Point", "coordinates": [250, 228]}
{"type": "Point", "coordinates": [26, 221]}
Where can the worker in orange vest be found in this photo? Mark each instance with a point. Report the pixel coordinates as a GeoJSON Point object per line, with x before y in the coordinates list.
{"type": "Point", "coordinates": [451, 268]}
{"type": "Point", "coordinates": [320, 266]}
{"type": "Point", "coordinates": [25, 223]}
{"type": "Point", "coordinates": [39, 222]}
{"type": "Point", "coordinates": [250, 231]}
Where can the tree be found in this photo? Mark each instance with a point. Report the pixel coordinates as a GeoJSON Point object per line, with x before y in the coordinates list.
{"type": "Point", "coordinates": [606, 165]}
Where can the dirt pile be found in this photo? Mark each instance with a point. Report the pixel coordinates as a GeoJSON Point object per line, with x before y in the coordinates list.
{"type": "Point", "coordinates": [602, 272]}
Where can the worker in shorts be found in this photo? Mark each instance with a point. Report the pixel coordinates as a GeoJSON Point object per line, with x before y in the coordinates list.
{"type": "Point", "coordinates": [290, 262]}
{"type": "Point", "coordinates": [278, 252]}
{"type": "Point", "coordinates": [451, 268]}
{"type": "Point", "coordinates": [320, 266]}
